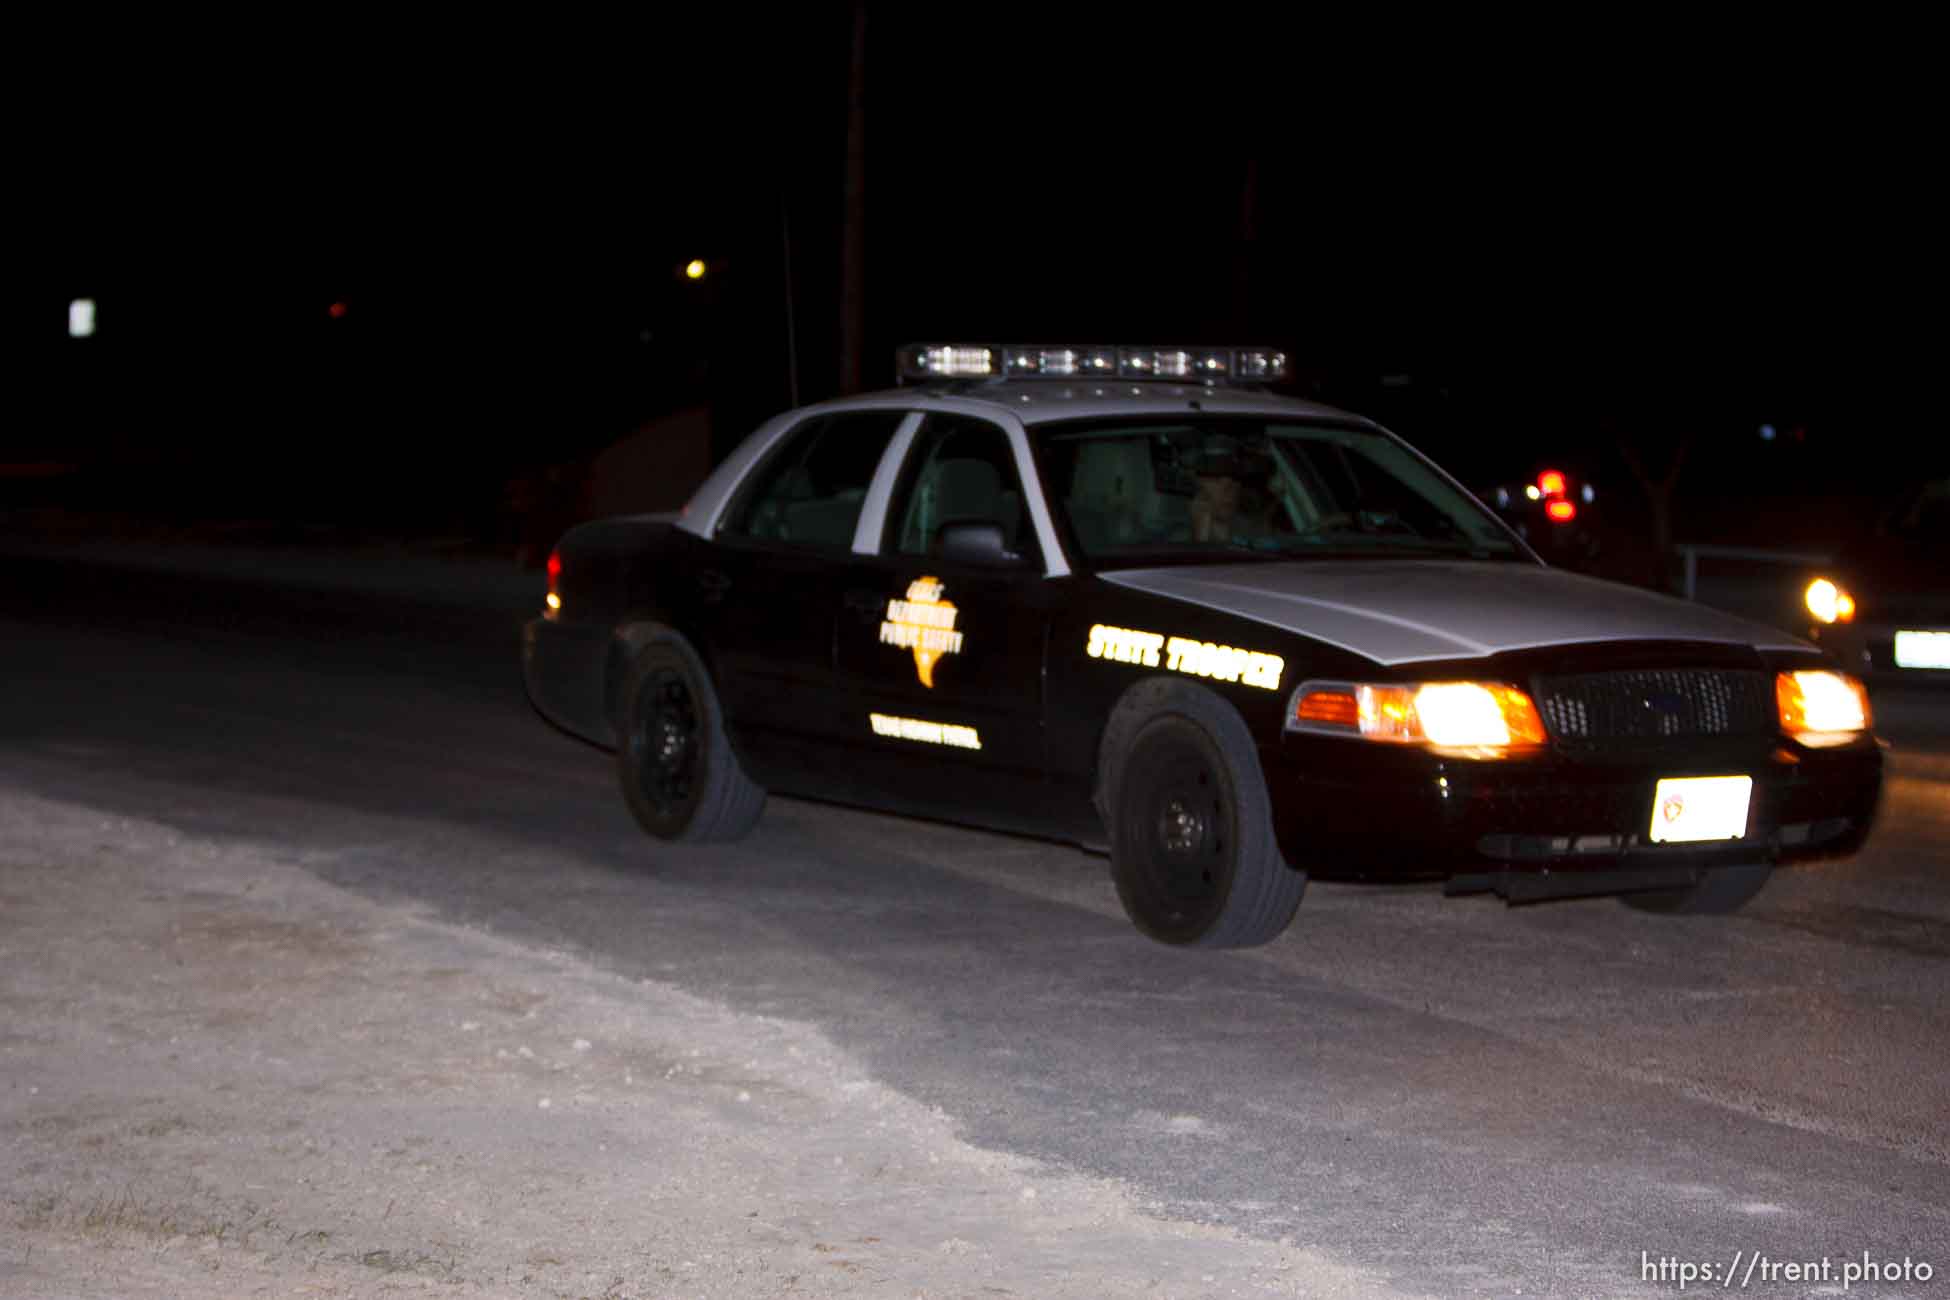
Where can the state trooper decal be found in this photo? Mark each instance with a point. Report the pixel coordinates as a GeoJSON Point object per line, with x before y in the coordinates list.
{"type": "Point", "coordinates": [1184, 655]}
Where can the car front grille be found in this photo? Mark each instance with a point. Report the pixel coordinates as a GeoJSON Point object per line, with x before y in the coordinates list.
{"type": "Point", "coordinates": [1654, 703]}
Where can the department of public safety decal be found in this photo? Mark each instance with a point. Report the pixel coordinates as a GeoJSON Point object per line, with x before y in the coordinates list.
{"type": "Point", "coordinates": [923, 623]}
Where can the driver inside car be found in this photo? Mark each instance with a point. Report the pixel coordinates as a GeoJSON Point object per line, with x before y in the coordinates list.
{"type": "Point", "coordinates": [1239, 498]}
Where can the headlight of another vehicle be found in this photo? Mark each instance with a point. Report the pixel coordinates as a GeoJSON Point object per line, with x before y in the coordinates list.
{"type": "Point", "coordinates": [1475, 719]}
{"type": "Point", "coordinates": [1822, 708]}
{"type": "Point", "coordinates": [1828, 602]}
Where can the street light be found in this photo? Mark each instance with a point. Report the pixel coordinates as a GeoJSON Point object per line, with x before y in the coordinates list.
{"type": "Point", "coordinates": [694, 269]}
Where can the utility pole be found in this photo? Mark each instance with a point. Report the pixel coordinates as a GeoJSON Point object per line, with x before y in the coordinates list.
{"type": "Point", "coordinates": [853, 239]}
{"type": "Point", "coordinates": [791, 318]}
{"type": "Point", "coordinates": [1242, 252]}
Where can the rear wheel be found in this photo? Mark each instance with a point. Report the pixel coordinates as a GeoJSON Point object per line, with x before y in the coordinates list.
{"type": "Point", "coordinates": [679, 775]}
{"type": "Point", "coordinates": [1719, 890]}
{"type": "Point", "coordinates": [1192, 848]}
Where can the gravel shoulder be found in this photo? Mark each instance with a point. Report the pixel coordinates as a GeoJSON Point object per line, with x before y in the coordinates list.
{"type": "Point", "coordinates": [224, 1077]}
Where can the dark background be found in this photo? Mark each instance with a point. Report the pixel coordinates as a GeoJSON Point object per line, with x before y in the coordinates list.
{"type": "Point", "coordinates": [1517, 247]}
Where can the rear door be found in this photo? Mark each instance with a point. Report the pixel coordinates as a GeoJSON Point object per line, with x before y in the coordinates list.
{"type": "Point", "coordinates": [768, 587]}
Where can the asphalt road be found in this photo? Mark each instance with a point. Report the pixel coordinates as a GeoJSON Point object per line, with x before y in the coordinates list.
{"type": "Point", "coordinates": [1466, 1098]}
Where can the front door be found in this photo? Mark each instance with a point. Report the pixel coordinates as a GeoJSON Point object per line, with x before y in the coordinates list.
{"type": "Point", "coordinates": [941, 664]}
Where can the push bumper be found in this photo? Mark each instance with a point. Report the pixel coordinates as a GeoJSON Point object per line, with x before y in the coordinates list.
{"type": "Point", "coordinates": [1355, 808]}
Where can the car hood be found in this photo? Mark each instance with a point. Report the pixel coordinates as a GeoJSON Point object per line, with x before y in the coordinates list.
{"type": "Point", "coordinates": [1408, 611]}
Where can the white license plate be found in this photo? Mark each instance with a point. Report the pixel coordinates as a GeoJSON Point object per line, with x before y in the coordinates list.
{"type": "Point", "coordinates": [1923, 649]}
{"type": "Point", "coordinates": [1687, 809]}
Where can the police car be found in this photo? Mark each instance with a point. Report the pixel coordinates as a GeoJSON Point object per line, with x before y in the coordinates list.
{"type": "Point", "coordinates": [1885, 612]}
{"type": "Point", "coordinates": [1129, 598]}
{"type": "Point", "coordinates": [1554, 513]}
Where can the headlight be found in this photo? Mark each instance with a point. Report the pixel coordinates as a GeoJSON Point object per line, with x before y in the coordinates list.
{"type": "Point", "coordinates": [1828, 602]}
{"type": "Point", "coordinates": [1822, 708]}
{"type": "Point", "coordinates": [1481, 719]}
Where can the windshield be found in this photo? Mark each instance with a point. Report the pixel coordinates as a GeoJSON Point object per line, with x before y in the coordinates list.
{"type": "Point", "coordinates": [1222, 485]}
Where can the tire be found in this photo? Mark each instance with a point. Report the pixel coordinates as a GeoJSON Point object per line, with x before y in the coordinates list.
{"type": "Point", "coordinates": [679, 775]}
{"type": "Point", "coordinates": [1718, 891]}
{"type": "Point", "coordinates": [1192, 849]}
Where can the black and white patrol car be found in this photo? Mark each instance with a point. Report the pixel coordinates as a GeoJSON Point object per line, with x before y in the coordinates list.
{"type": "Point", "coordinates": [1122, 596]}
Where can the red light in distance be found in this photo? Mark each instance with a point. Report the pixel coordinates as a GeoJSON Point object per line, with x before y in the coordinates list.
{"type": "Point", "coordinates": [336, 311]}
{"type": "Point", "coordinates": [1551, 484]}
{"type": "Point", "coordinates": [1560, 511]}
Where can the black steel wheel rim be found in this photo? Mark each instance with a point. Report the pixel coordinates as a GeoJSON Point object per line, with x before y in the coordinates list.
{"type": "Point", "coordinates": [1184, 825]}
{"type": "Point", "coordinates": [666, 741]}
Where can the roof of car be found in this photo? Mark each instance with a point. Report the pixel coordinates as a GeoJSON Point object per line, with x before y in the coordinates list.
{"type": "Point", "coordinates": [1042, 401]}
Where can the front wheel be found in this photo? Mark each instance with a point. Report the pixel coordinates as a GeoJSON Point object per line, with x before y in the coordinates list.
{"type": "Point", "coordinates": [679, 775]}
{"type": "Point", "coordinates": [1719, 890]}
{"type": "Point", "coordinates": [1193, 853]}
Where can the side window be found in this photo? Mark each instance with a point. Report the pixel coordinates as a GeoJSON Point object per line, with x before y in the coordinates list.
{"type": "Point", "coordinates": [810, 492]}
{"type": "Point", "coordinates": [960, 470]}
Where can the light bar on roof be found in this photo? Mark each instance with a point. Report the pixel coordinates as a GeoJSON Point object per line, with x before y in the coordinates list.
{"type": "Point", "coordinates": [1259, 363]}
{"type": "Point", "coordinates": [1161, 363]}
{"type": "Point", "coordinates": [1075, 361]}
{"type": "Point", "coordinates": [1061, 362]}
{"type": "Point", "coordinates": [949, 361]}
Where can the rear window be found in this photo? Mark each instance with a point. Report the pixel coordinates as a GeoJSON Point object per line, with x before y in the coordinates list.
{"type": "Point", "coordinates": [811, 491]}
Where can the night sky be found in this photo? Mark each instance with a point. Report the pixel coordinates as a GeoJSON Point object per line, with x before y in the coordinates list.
{"type": "Point", "coordinates": [1506, 244]}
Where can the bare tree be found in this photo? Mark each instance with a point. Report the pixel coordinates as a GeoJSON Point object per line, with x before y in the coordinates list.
{"type": "Point", "coordinates": [1659, 488]}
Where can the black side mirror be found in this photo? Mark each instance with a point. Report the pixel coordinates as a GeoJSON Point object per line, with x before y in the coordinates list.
{"type": "Point", "coordinates": [976, 542]}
